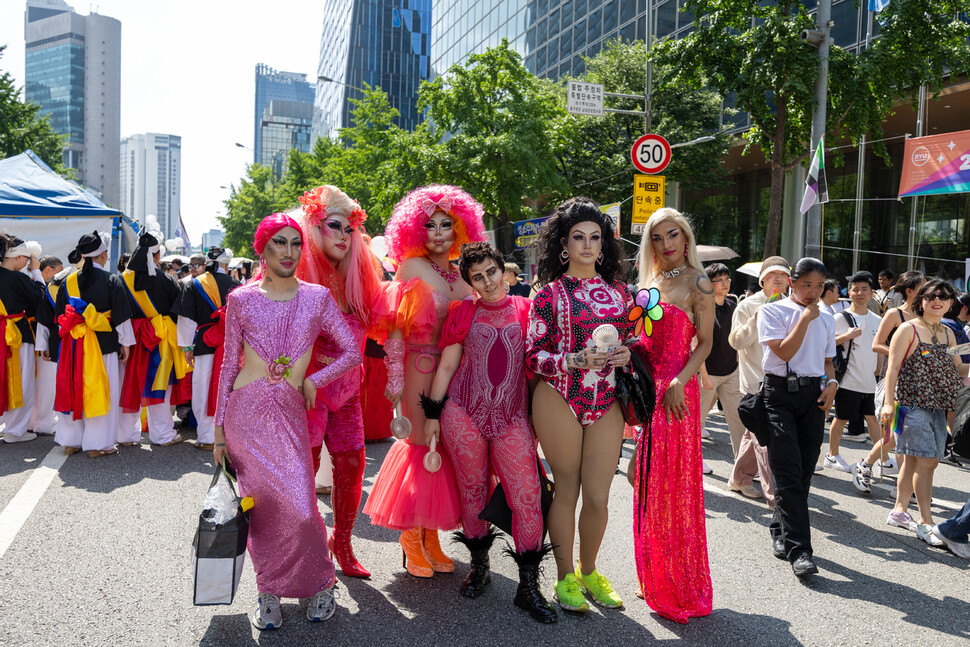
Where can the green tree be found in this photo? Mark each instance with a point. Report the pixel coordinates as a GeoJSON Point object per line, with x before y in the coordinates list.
{"type": "Point", "coordinates": [491, 119]}
{"type": "Point", "coordinates": [593, 153]}
{"type": "Point", "coordinates": [253, 200]}
{"type": "Point", "coordinates": [21, 127]}
{"type": "Point", "coordinates": [750, 49]}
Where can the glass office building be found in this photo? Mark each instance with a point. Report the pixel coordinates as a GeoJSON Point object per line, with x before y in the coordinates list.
{"type": "Point", "coordinates": [285, 125]}
{"type": "Point", "coordinates": [384, 43]}
{"type": "Point", "coordinates": [272, 84]}
{"type": "Point", "coordinates": [553, 36]}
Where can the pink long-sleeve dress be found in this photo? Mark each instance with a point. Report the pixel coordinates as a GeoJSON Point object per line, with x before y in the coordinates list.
{"type": "Point", "coordinates": [266, 432]}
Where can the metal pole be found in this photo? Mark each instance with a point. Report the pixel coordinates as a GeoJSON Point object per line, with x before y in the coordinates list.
{"type": "Point", "coordinates": [648, 39]}
{"type": "Point", "coordinates": [911, 253]}
{"type": "Point", "coordinates": [813, 220]}
{"type": "Point", "coordinates": [860, 175]}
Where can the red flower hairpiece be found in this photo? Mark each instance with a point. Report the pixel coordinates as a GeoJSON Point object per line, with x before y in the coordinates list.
{"type": "Point", "coordinates": [313, 205]}
{"type": "Point", "coordinates": [357, 216]}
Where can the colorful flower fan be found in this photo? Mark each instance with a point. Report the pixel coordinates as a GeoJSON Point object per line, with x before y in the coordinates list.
{"type": "Point", "coordinates": [646, 310]}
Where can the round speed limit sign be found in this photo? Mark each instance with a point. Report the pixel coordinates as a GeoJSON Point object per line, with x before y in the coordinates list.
{"type": "Point", "coordinates": [651, 154]}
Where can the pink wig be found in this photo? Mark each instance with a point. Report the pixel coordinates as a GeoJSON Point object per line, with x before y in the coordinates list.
{"type": "Point", "coordinates": [405, 230]}
{"type": "Point", "coordinates": [356, 276]}
{"type": "Point", "coordinates": [269, 226]}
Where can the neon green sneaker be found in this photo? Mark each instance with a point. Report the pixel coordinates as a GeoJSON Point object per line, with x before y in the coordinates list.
{"type": "Point", "coordinates": [569, 594]}
{"type": "Point", "coordinates": [600, 588]}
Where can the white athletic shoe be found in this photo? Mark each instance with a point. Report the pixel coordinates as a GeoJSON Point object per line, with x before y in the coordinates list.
{"type": "Point", "coordinates": [706, 435]}
{"type": "Point", "coordinates": [322, 605]}
{"type": "Point", "coordinates": [889, 468]}
{"type": "Point", "coordinates": [707, 468]}
{"type": "Point", "coordinates": [836, 463]}
{"type": "Point", "coordinates": [925, 532]}
{"type": "Point", "coordinates": [958, 549]}
{"type": "Point", "coordinates": [268, 614]}
{"type": "Point", "coordinates": [27, 436]}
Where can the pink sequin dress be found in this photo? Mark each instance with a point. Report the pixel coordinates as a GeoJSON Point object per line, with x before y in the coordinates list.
{"type": "Point", "coordinates": [337, 418]}
{"type": "Point", "coordinates": [485, 420]}
{"type": "Point", "coordinates": [266, 432]}
{"type": "Point", "coordinates": [405, 495]}
{"type": "Point", "coordinates": [563, 317]}
{"type": "Point", "coordinates": [669, 524]}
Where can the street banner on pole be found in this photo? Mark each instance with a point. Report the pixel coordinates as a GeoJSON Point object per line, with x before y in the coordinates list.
{"type": "Point", "coordinates": [936, 164]}
{"type": "Point", "coordinates": [613, 211]}
{"type": "Point", "coordinates": [526, 231]}
{"type": "Point", "coordinates": [816, 189]}
{"type": "Point", "coordinates": [584, 99]}
{"type": "Point", "coordinates": [648, 196]}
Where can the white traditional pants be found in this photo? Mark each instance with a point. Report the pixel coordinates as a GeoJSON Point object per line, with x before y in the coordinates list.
{"type": "Point", "coordinates": [201, 378]}
{"type": "Point", "coordinates": [44, 418]}
{"type": "Point", "coordinates": [98, 433]}
{"type": "Point", "coordinates": [17, 421]}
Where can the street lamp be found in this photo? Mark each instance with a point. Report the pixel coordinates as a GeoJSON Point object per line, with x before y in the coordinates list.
{"type": "Point", "coordinates": [327, 79]}
{"type": "Point", "coordinates": [699, 140]}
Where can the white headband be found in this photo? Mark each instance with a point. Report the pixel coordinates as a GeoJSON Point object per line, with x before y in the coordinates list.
{"type": "Point", "coordinates": [225, 256]}
{"type": "Point", "coordinates": [19, 250]}
{"type": "Point", "coordinates": [773, 268]}
{"type": "Point", "coordinates": [100, 250]}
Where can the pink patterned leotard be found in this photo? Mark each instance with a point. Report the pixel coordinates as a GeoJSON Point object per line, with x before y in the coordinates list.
{"type": "Point", "coordinates": [266, 432]}
{"type": "Point", "coordinates": [337, 418]}
{"type": "Point", "coordinates": [563, 317]}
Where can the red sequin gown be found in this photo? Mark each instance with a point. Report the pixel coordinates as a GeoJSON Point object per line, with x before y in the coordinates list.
{"type": "Point", "coordinates": [669, 525]}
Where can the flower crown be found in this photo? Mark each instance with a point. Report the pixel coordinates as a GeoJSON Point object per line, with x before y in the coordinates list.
{"type": "Point", "coordinates": [315, 208]}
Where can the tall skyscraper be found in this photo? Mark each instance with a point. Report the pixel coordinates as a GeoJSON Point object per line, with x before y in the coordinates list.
{"type": "Point", "coordinates": [284, 125]}
{"type": "Point", "coordinates": [151, 179]}
{"type": "Point", "coordinates": [384, 43]}
{"type": "Point", "coordinates": [73, 70]}
{"type": "Point", "coordinates": [212, 238]}
{"type": "Point", "coordinates": [273, 85]}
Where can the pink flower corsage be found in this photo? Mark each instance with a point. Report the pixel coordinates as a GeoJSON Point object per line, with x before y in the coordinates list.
{"type": "Point", "coordinates": [279, 369]}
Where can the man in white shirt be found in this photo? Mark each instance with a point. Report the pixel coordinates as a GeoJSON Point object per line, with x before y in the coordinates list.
{"type": "Point", "coordinates": [752, 457]}
{"type": "Point", "coordinates": [857, 388]}
{"type": "Point", "coordinates": [829, 303]}
{"type": "Point", "coordinates": [799, 387]}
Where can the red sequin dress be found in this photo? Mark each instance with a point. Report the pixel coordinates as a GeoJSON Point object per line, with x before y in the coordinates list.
{"type": "Point", "coordinates": [669, 528]}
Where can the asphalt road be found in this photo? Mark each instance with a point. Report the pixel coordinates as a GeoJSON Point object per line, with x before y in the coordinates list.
{"type": "Point", "coordinates": [103, 559]}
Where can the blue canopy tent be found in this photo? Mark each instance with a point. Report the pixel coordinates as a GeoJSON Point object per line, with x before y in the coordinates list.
{"type": "Point", "coordinates": [38, 204]}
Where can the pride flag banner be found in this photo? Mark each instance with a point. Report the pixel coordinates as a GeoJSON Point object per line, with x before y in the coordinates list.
{"type": "Point", "coordinates": [936, 165]}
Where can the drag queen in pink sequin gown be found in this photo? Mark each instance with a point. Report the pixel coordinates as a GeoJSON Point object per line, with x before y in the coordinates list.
{"type": "Point", "coordinates": [479, 406]}
{"type": "Point", "coordinates": [425, 233]}
{"type": "Point", "coordinates": [669, 522]}
{"type": "Point", "coordinates": [261, 418]}
{"type": "Point", "coordinates": [337, 257]}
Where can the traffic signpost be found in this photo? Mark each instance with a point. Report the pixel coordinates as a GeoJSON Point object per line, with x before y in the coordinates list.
{"type": "Point", "coordinates": [648, 196]}
{"type": "Point", "coordinates": [651, 154]}
{"type": "Point", "coordinates": [584, 99]}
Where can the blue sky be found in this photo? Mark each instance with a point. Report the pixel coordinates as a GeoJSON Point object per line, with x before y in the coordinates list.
{"type": "Point", "coordinates": [187, 69]}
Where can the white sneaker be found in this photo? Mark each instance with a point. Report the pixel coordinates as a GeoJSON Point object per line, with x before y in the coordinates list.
{"type": "Point", "coordinates": [707, 468]}
{"type": "Point", "coordinates": [268, 614]}
{"type": "Point", "coordinates": [855, 438]}
{"type": "Point", "coordinates": [322, 605]}
{"type": "Point", "coordinates": [706, 435]}
{"type": "Point", "coordinates": [958, 549]}
{"type": "Point", "coordinates": [889, 468]}
{"type": "Point", "coordinates": [836, 463]}
{"type": "Point", "coordinates": [27, 436]}
{"type": "Point", "coordinates": [925, 532]}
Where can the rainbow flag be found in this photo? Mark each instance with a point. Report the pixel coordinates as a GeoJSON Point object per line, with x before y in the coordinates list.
{"type": "Point", "coordinates": [895, 424]}
{"type": "Point", "coordinates": [774, 296]}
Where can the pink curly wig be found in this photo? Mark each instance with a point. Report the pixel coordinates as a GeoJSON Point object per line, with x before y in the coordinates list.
{"type": "Point", "coordinates": [356, 276]}
{"type": "Point", "coordinates": [405, 230]}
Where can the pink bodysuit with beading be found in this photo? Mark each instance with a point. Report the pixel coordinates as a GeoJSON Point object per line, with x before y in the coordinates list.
{"type": "Point", "coordinates": [266, 431]}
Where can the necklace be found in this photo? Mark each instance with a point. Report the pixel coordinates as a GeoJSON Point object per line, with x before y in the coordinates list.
{"type": "Point", "coordinates": [674, 273]}
{"type": "Point", "coordinates": [450, 276]}
{"type": "Point", "coordinates": [934, 329]}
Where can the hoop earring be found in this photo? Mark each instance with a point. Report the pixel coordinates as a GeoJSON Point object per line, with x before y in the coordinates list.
{"type": "Point", "coordinates": [564, 257]}
{"type": "Point", "coordinates": [599, 259]}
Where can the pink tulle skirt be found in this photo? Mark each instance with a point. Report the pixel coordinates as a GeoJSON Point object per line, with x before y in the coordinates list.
{"type": "Point", "coordinates": [405, 495]}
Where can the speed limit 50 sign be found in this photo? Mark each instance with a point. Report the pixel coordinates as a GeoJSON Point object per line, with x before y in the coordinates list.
{"type": "Point", "coordinates": [651, 154]}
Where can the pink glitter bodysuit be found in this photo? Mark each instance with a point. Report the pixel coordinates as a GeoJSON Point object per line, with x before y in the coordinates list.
{"type": "Point", "coordinates": [564, 315]}
{"type": "Point", "coordinates": [266, 432]}
{"type": "Point", "coordinates": [669, 524]}
{"type": "Point", "coordinates": [337, 418]}
{"type": "Point", "coordinates": [484, 423]}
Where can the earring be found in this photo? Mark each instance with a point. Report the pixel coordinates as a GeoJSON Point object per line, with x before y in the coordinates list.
{"type": "Point", "coordinates": [506, 287]}
{"type": "Point", "coordinates": [564, 257]}
{"type": "Point", "coordinates": [599, 259]}
{"type": "Point", "coordinates": [686, 248]}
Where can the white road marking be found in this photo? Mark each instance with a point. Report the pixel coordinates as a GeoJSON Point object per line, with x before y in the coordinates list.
{"type": "Point", "coordinates": [22, 505]}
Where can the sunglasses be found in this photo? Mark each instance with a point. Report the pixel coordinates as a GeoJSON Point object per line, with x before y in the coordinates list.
{"type": "Point", "coordinates": [195, 265]}
{"type": "Point", "coordinates": [937, 296]}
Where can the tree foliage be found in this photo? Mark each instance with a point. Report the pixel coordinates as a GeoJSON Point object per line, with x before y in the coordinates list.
{"type": "Point", "coordinates": [22, 127]}
{"type": "Point", "coordinates": [750, 50]}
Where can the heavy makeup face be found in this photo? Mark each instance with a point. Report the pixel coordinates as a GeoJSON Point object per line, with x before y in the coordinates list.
{"type": "Point", "coordinates": [668, 242]}
{"type": "Point", "coordinates": [441, 233]}
{"type": "Point", "coordinates": [282, 252]}
{"type": "Point", "coordinates": [487, 280]}
{"type": "Point", "coordinates": [584, 244]}
{"type": "Point", "coordinates": [807, 288]}
{"type": "Point", "coordinates": [334, 237]}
